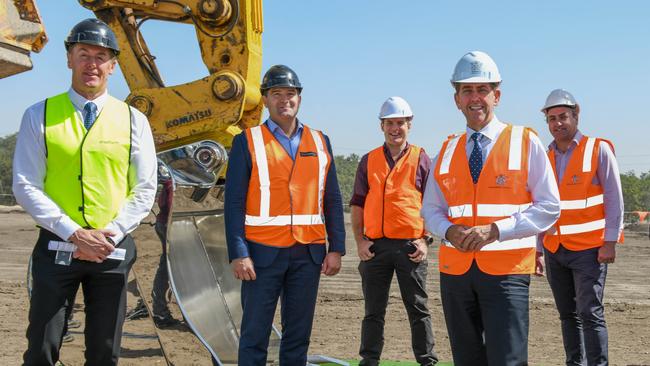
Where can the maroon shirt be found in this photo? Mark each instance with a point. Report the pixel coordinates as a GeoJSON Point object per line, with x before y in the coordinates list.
{"type": "Point", "coordinates": [361, 179]}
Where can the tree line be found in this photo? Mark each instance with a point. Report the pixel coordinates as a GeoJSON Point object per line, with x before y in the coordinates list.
{"type": "Point", "coordinates": [636, 188]}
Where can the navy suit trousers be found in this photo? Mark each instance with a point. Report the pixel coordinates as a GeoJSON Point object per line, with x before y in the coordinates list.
{"type": "Point", "coordinates": [487, 317]}
{"type": "Point", "coordinates": [292, 277]}
{"type": "Point", "coordinates": [578, 283]}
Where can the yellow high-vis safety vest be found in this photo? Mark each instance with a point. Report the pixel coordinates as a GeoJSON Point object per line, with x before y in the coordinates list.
{"type": "Point", "coordinates": [87, 171]}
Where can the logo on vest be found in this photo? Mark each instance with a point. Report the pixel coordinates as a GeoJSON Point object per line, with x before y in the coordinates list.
{"type": "Point", "coordinates": [308, 153]}
{"type": "Point", "coordinates": [501, 180]}
{"type": "Point", "coordinates": [575, 179]}
{"type": "Point", "coordinates": [110, 142]}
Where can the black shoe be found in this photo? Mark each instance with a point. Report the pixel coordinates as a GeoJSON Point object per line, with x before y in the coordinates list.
{"type": "Point", "coordinates": [67, 337]}
{"type": "Point", "coordinates": [165, 321]}
{"type": "Point", "coordinates": [138, 312]}
{"type": "Point", "coordinates": [74, 324]}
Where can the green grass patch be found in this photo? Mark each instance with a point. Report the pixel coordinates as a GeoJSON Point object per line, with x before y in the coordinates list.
{"type": "Point", "coordinates": [392, 363]}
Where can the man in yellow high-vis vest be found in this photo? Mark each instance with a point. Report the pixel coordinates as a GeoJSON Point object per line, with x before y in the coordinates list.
{"type": "Point", "coordinates": [85, 170]}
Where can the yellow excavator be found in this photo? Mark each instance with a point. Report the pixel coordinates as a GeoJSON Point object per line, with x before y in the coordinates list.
{"type": "Point", "coordinates": [193, 126]}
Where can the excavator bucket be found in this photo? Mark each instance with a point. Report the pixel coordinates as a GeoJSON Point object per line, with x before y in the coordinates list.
{"type": "Point", "coordinates": [189, 226]}
{"type": "Point", "coordinates": [21, 32]}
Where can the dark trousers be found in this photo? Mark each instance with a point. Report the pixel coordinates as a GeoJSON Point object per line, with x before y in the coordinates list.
{"type": "Point", "coordinates": [376, 276]}
{"type": "Point", "coordinates": [578, 282]}
{"type": "Point", "coordinates": [161, 279]}
{"type": "Point", "coordinates": [292, 276]}
{"type": "Point", "coordinates": [487, 317]}
{"type": "Point", "coordinates": [53, 293]}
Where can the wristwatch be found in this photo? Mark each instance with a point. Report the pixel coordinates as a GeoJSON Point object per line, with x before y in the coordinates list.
{"type": "Point", "coordinates": [428, 239]}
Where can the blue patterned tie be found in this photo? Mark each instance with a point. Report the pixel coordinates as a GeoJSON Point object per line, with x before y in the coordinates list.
{"type": "Point", "coordinates": [476, 158]}
{"type": "Point", "coordinates": [90, 114]}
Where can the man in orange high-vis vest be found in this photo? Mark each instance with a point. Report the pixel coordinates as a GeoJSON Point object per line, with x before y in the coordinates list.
{"type": "Point", "coordinates": [490, 191]}
{"type": "Point", "coordinates": [282, 204]}
{"type": "Point", "coordinates": [582, 243]}
{"type": "Point", "coordinates": [390, 236]}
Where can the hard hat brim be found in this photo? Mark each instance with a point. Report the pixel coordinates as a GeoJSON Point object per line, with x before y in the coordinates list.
{"type": "Point", "coordinates": [395, 115]}
{"type": "Point", "coordinates": [557, 105]}
{"type": "Point", "coordinates": [476, 80]}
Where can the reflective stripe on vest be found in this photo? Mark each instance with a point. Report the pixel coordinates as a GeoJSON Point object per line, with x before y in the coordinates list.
{"type": "Point", "coordinates": [87, 172]}
{"type": "Point", "coordinates": [274, 215]}
{"type": "Point", "coordinates": [581, 224]}
{"type": "Point", "coordinates": [499, 193]}
{"type": "Point", "coordinates": [392, 206]}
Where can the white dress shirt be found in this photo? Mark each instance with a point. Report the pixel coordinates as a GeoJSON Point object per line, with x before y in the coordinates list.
{"type": "Point", "coordinates": [30, 166]}
{"type": "Point", "coordinates": [544, 211]}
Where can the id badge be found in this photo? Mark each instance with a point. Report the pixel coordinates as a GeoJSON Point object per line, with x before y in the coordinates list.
{"type": "Point", "coordinates": [63, 258]}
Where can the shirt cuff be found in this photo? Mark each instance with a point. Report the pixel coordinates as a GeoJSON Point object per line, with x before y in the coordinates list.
{"type": "Point", "coordinates": [441, 229]}
{"type": "Point", "coordinates": [357, 200]}
{"type": "Point", "coordinates": [612, 234]}
{"type": "Point", "coordinates": [540, 243]}
{"type": "Point", "coordinates": [506, 228]}
{"type": "Point", "coordinates": [119, 235]}
{"type": "Point", "coordinates": [331, 250]}
{"type": "Point", "coordinates": [65, 228]}
{"type": "Point", "coordinates": [240, 250]}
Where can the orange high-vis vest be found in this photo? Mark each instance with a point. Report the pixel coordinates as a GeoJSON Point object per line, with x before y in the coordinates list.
{"type": "Point", "coordinates": [393, 203]}
{"type": "Point", "coordinates": [582, 213]}
{"type": "Point", "coordinates": [499, 193]}
{"type": "Point", "coordinates": [284, 204]}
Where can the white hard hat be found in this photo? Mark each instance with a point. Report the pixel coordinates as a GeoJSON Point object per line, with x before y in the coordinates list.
{"type": "Point", "coordinates": [559, 97]}
{"type": "Point", "coordinates": [395, 107]}
{"type": "Point", "coordinates": [476, 67]}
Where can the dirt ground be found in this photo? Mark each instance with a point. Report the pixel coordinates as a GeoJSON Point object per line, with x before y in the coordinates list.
{"type": "Point", "coordinates": [340, 310]}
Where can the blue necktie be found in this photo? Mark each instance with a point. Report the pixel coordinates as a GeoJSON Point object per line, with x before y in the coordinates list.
{"type": "Point", "coordinates": [90, 114]}
{"type": "Point", "coordinates": [476, 158]}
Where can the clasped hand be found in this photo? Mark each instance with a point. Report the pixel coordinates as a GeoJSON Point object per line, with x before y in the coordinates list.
{"type": "Point", "coordinates": [92, 244]}
{"type": "Point", "coordinates": [471, 238]}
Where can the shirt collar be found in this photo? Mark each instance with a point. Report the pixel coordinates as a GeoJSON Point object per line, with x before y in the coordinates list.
{"type": "Point", "coordinates": [386, 149]}
{"type": "Point", "coordinates": [274, 127]}
{"type": "Point", "coordinates": [79, 101]}
{"type": "Point", "coordinates": [491, 130]}
{"type": "Point", "coordinates": [575, 142]}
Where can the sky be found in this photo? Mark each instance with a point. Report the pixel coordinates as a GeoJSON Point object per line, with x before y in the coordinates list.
{"type": "Point", "coordinates": [351, 55]}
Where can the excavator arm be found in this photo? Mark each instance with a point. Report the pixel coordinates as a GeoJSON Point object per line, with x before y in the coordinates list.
{"type": "Point", "coordinates": [216, 107]}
